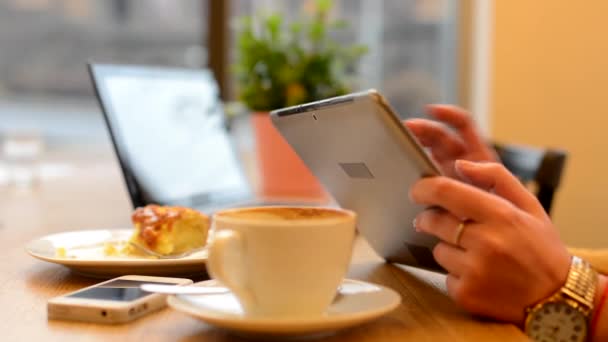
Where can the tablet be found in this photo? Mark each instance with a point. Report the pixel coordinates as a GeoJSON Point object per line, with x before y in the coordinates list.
{"type": "Point", "coordinates": [367, 160]}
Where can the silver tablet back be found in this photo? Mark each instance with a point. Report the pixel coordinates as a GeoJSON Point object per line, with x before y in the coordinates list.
{"type": "Point", "coordinates": [367, 160]}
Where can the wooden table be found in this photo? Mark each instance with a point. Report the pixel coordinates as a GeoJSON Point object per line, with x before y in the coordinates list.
{"type": "Point", "coordinates": [91, 195]}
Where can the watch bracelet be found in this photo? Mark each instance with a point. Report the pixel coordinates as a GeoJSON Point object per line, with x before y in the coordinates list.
{"type": "Point", "coordinates": [581, 283]}
{"type": "Point", "coordinates": [578, 291]}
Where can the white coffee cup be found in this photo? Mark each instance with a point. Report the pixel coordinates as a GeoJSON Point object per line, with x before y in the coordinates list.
{"type": "Point", "coordinates": [282, 261]}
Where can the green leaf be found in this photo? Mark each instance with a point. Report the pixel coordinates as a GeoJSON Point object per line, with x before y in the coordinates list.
{"type": "Point", "coordinates": [295, 28]}
{"type": "Point", "coordinates": [273, 25]}
{"type": "Point", "coordinates": [323, 6]}
{"type": "Point", "coordinates": [279, 64]}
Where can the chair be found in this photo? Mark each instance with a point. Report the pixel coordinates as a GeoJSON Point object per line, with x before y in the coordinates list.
{"type": "Point", "coordinates": [541, 167]}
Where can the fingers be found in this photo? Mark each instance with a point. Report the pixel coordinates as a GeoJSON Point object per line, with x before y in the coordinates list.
{"type": "Point", "coordinates": [443, 143]}
{"type": "Point", "coordinates": [496, 178]}
{"type": "Point", "coordinates": [459, 119]}
{"type": "Point", "coordinates": [451, 115]}
{"type": "Point", "coordinates": [444, 226]}
{"type": "Point", "coordinates": [453, 285]}
{"type": "Point", "coordinates": [452, 258]}
{"type": "Point", "coordinates": [462, 200]}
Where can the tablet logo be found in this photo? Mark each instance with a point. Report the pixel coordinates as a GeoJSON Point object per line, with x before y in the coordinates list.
{"type": "Point", "coordinates": [357, 170]}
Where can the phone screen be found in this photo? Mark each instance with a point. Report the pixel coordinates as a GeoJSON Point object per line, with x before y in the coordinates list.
{"type": "Point", "coordinates": [116, 290]}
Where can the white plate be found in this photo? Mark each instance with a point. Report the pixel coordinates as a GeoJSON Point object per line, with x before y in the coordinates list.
{"type": "Point", "coordinates": [357, 302]}
{"type": "Point", "coordinates": [85, 255]}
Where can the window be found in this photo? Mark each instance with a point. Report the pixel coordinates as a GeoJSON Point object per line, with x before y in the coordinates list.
{"type": "Point", "coordinates": [44, 44]}
{"type": "Point", "coordinates": [412, 56]}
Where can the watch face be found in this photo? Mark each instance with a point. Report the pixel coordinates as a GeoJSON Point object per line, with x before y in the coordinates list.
{"type": "Point", "coordinates": [557, 322]}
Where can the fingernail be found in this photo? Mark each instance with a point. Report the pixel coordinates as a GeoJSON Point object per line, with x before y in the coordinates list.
{"type": "Point", "coordinates": [459, 165]}
{"type": "Point", "coordinates": [463, 162]}
{"type": "Point", "coordinates": [415, 224]}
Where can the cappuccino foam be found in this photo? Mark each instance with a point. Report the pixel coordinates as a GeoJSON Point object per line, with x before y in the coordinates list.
{"type": "Point", "coordinates": [285, 214]}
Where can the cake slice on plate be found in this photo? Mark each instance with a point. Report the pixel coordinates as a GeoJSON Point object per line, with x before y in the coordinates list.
{"type": "Point", "coordinates": [169, 230]}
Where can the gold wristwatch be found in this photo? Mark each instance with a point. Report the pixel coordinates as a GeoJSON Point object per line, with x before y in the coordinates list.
{"type": "Point", "coordinates": [565, 315]}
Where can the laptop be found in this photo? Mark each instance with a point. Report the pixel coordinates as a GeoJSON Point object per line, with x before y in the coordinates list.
{"type": "Point", "coordinates": [168, 131]}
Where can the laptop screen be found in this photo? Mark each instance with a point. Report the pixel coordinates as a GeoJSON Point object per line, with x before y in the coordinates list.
{"type": "Point", "coordinates": [167, 126]}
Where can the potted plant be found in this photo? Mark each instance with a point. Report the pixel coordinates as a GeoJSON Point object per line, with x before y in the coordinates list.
{"type": "Point", "coordinates": [280, 65]}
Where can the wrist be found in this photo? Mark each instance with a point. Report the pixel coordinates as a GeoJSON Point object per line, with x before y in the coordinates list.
{"type": "Point", "coordinates": [599, 331]}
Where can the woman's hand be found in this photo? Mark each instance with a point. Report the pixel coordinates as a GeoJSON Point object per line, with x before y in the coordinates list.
{"type": "Point", "coordinates": [461, 141]}
{"type": "Point", "coordinates": [509, 254]}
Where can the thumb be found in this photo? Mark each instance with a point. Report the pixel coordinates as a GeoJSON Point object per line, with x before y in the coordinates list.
{"type": "Point", "coordinates": [495, 178]}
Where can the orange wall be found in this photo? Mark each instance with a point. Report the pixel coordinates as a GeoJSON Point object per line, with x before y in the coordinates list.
{"type": "Point", "coordinates": [549, 87]}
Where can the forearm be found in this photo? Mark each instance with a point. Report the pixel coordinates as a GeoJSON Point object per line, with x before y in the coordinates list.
{"type": "Point", "coordinates": [600, 332]}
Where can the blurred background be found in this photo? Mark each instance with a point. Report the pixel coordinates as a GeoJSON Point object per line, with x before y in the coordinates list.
{"type": "Point", "coordinates": [45, 43]}
{"type": "Point", "coordinates": [531, 72]}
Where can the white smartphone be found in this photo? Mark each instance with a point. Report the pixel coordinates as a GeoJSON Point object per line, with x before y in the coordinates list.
{"type": "Point", "coordinates": [118, 300]}
{"type": "Point", "coordinates": [368, 160]}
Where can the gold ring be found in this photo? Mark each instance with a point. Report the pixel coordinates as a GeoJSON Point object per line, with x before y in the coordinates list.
{"type": "Point", "coordinates": [459, 231]}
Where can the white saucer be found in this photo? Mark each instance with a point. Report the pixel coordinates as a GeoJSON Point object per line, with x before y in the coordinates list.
{"type": "Point", "coordinates": [356, 303]}
{"type": "Point", "coordinates": [85, 255]}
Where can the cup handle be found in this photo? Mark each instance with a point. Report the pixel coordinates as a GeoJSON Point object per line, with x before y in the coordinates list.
{"type": "Point", "coordinates": [225, 263]}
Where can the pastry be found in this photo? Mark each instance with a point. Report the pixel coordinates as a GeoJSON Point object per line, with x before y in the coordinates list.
{"type": "Point", "coordinates": [169, 230]}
